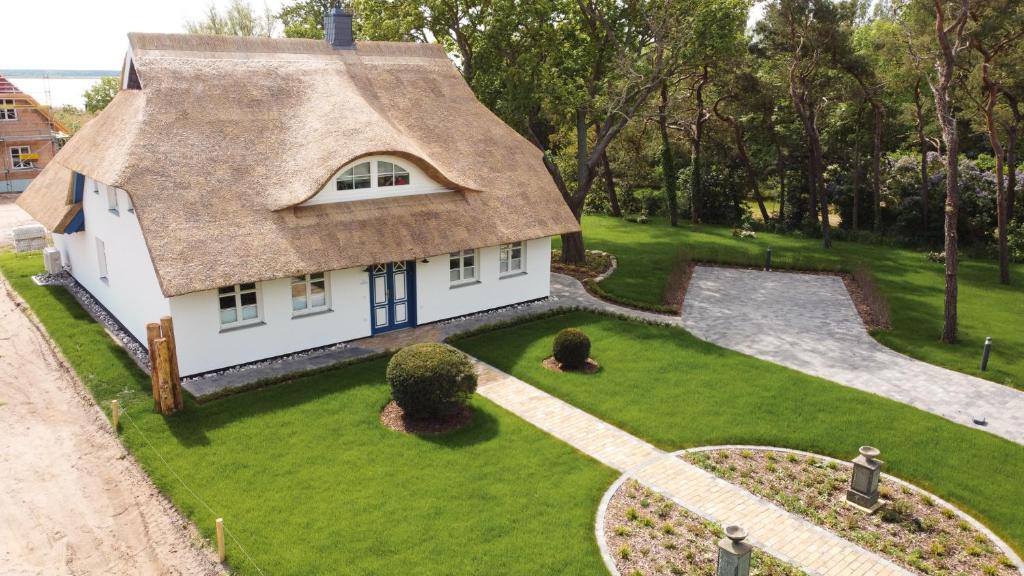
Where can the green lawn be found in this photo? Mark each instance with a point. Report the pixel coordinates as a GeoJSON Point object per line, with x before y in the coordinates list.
{"type": "Point", "coordinates": [310, 483]}
{"type": "Point", "coordinates": [676, 391]}
{"type": "Point", "coordinates": [913, 285]}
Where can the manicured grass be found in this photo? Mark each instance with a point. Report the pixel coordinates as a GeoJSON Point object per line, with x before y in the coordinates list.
{"type": "Point", "coordinates": [676, 391]}
{"type": "Point", "coordinates": [912, 284]}
{"type": "Point", "coordinates": [309, 481]}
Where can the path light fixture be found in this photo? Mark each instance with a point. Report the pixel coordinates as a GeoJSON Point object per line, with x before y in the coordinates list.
{"type": "Point", "coordinates": [867, 471]}
{"type": "Point", "coordinates": [734, 553]}
{"type": "Point", "coordinates": [768, 260]}
{"type": "Point", "coordinates": [985, 352]}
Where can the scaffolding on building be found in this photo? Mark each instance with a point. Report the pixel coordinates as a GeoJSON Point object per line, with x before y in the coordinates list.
{"type": "Point", "coordinates": [14, 133]}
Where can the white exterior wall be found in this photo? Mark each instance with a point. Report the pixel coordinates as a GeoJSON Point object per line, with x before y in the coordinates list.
{"type": "Point", "coordinates": [437, 300]}
{"type": "Point", "coordinates": [203, 346]}
{"type": "Point", "coordinates": [131, 291]}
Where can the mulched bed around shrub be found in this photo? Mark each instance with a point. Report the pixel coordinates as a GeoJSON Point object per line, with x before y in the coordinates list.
{"type": "Point", "coordinates": [591, 367]}
{"type": "Point", "coordinates": [597, 263]}
{"type": "Point", "coordinates": [649, 535]}
{"type": "Point", "coordinates": [910, 528]}
{"type": "Point", "coordinates": [393, 417]}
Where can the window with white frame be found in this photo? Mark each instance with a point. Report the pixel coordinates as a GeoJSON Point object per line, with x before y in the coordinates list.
{"type": "Point", "coordinates": [8, 110]}
{"type": "Point", "coordinates": [112, 199]}
{"type": "Point", "coordinates": [391, 174]}
{"type": "Point", "coordinates": [355, 177]}
{"type": "Point", "coordinates": [17, 160]}
{"type": "Point", "coordinates": [511, 258]}
{"type": "Point", "coordinates": [239, 305]}
{"type": "Point", "coordinates": [309, 293]}
{"type": "Point", "coordinates": [462, 266]}
{"type": "Point", "coordinates": [101, 258]}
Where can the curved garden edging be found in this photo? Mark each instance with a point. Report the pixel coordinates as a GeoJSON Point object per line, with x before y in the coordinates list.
{"type": "Point", "coordinates": [609, 561]}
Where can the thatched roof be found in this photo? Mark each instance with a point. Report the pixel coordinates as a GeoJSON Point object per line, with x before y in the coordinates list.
{"type": "Point", "coordinates": [229, 135]}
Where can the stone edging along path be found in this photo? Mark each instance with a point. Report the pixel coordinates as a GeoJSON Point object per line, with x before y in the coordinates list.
{"type": "Point", "coordinates": [599, 529]}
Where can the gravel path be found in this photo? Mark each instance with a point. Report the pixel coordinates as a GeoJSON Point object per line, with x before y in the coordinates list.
{"type": "Point", "coordinates": [808, 322]}
{"type": "Point", "coordinates": [71, 499]}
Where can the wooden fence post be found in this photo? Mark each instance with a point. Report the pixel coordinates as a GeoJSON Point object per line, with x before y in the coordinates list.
{"type": "Point", "coordinates": [115, 413]}
{"type": "Point", "coordinates": [152, 333]}
{"type": "Point", "coordinates": [220, 539]}
{"type": "Point", "coordinates": [163, 369]}
{"type": "Point", "coordinates": [167, 328]}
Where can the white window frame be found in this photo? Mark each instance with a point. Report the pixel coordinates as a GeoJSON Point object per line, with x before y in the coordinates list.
{"type": "Point", "coordinates": [506, 260]}
{"type": "Point", "coordinates": [395, 171]}
{"type": "Point", "coordinates": [8, 114]}
{"type": "Point", "coordinates": [112, 200]}
{"type": "Point", "coordinates": [460, 277]}
{"type": "Point", "coordinates": [101, 259]}
{"type": "Point", "coordinates": [16, 162]}
{"type": "Point", "coordinates": [237, 291]}
{"type": "Point", "coordinates": [350, 176]}
{"type": "Point", "coordinates": [307, 282]}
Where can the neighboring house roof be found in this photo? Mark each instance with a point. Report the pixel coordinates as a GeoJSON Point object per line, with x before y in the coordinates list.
{"type": "Point", "coordinates": [9, 90]}
{"type": "Point", "coordinates": [229, 135]}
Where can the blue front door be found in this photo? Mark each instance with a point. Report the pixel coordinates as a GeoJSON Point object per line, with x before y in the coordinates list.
{"type": "Point", "coordinates": [392, 296]}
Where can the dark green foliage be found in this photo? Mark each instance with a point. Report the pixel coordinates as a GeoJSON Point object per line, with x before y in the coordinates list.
{"type": "Point", "coordinates": [571, 348]}
{"type": "Point", "coordinates": [431, 380]}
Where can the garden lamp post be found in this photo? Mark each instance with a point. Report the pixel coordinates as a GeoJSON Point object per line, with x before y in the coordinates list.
{"type": "Point", "coordinates": [734, 553]}
{"type": "Point", "coordinates": [867, 471]}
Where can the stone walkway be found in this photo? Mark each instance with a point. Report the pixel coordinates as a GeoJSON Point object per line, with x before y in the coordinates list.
{"type": "Point", "coordinates": [808, 322]}
{"type": "Point", "coordinates": [771, 528]}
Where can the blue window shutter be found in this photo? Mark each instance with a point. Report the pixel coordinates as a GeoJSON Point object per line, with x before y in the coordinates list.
{"type": "Point", "coordinates": [79, 188]}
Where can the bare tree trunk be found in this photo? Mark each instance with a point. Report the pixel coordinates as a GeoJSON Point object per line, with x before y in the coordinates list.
{"type": "Point", "coordinates": [1011, 155]}
{"type": "Point", "coordinates": [696, 174]}
{"type": "Point", "coordinates": [609, 183]}
{"type": "Point", "coordinates": [991, 90]}
{"type": "Point", "coordinates": [876, 164]}
{"type": "Point", "coordinates": [855, 216]}
{"type": "Point", "coordinates": [737, 132]}
{"type": "Point", "coordinates": [922, 143]}
{"type": "Point", "coordinates": [806, 108]}
{"type": "Point", "coordinates": [780, 172]}
{"type": "Point", "coordinates": [945, 66]}
{"type": "Point", "coordinates": [668, 165]}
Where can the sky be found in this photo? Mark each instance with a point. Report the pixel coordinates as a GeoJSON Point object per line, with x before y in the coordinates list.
{"type": "Point", "coordinates": [89, 34]}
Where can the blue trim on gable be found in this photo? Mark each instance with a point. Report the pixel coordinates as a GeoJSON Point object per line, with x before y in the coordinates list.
{"type": "Point", "coordinates": [77, 223]}
{"type": "Point", "coordinates": [76, 196]}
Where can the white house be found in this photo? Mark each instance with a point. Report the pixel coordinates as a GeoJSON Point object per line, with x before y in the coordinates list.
{"type": "Point", "coordinates": [277, 195]}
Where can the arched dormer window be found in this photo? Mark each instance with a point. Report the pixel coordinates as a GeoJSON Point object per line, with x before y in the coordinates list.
{"type": "Point", "coordinates": [376, 177]}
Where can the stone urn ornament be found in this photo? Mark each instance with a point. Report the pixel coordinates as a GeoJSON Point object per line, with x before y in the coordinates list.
{"type": "Point", "coordinates": [867, 472]}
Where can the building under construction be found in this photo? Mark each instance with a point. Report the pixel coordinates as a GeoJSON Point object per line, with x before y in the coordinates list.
{"type": "Point", "coordinates": [29, 137]}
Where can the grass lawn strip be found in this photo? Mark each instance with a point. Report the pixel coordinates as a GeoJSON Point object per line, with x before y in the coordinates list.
{"type": "Point", "coordinates": [675, 391]}
{"type": "Point", "coordinates": [912, 284]}
{"type": "Point", "coordinates": [310, 482]}
{"type": "Point", "coordinates": [649, 535]}
{"type": "Point", "coordinates": [912, 527]}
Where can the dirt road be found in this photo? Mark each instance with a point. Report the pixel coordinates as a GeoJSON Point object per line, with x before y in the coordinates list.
{"type": "Point", "coordinates": [71, 500]}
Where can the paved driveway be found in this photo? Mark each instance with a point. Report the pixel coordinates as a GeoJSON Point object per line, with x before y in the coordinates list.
{"type": "Point", "coordinates": [808, 322]}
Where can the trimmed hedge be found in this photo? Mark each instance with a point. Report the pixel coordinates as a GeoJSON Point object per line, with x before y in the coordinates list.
{"type": "Point", "coordinates": [571, 348]}
{"type": "Point", "coordinates": [431, 380]}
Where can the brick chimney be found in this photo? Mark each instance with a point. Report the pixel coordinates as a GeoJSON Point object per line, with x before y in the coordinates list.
{"type": "Point", "coordinates": [338, 28]}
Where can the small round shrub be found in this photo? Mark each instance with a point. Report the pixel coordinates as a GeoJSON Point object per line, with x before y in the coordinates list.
{"type": "Point", "coordinates": [430, 380]}
{"type": "Point", "coordinates": [572, 348]}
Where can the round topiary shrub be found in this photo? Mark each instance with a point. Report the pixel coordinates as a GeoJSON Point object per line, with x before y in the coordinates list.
{"type": "Point", "coordinates": [572, 348]}
{"type": "Point", "coordinates": [431, 380]}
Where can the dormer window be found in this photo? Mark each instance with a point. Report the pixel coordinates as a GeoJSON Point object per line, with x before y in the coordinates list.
{"type": "Point", "coordinates": [355, 177]}
{"type": "Point", "coordinates": [391, 174]}
{"type": "Point", "coordinates": [376, 177]}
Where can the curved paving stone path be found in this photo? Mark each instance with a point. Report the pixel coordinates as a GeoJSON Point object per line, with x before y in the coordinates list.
{"type": "Point", "coordinates": [774, 530]}
{"type": "Point", "coordinates": [809, 323]}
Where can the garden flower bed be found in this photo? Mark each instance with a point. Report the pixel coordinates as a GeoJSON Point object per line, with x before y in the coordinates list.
{"type": "Point", "coordinates": [911, 527]}
{"type": "Point", "coordinates": [647, 535]}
